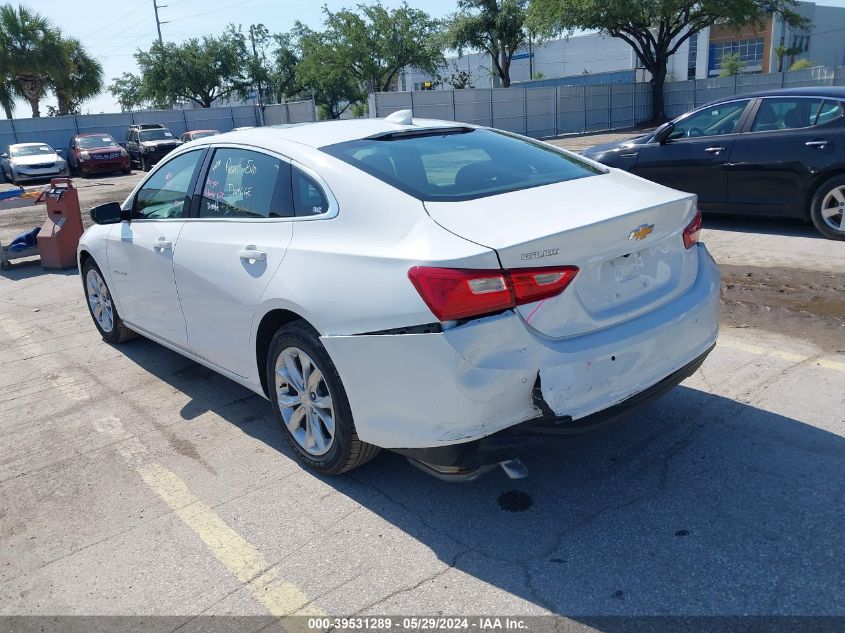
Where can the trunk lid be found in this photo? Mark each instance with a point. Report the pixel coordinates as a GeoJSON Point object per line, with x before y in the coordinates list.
{"type": "Point", "coordinates": [586, 223]}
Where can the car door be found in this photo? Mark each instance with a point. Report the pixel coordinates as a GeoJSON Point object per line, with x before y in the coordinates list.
{"type": "Point", "coordinates": [140, 251]}
{"type": "Point", "coordinates": [695, 154]}
{"type": "Point", "coordinates": [789, 140]}
{"type": "Point", "coordinates": [230, 249]}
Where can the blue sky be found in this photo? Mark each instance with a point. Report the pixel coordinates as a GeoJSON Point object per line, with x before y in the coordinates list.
{"type": "Point", "coordinates": [113, 29]}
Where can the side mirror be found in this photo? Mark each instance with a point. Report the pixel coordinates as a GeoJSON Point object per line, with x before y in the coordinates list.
{"type": "Point", "coordinates": [662, 134]}
{"type": "Point", "coordinates": [108, 213]}
{"type": "Point", "coordinates": [59, 152]}
{"type": "Point", "coordinates": [4, 155]}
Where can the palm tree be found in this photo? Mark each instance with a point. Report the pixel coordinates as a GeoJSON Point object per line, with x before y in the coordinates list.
{"type": "Point", "coordinates": [29, 48]}
{"type": "Point", "coordinates": [78, 78]}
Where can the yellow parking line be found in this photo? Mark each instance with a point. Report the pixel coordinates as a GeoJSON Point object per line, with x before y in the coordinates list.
{"type": "Point", "coordinates": [238, 556]}
{"type": "Point", "coordinates": [781, 354]}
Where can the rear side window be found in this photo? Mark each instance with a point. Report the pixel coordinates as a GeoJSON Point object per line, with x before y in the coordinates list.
{"type": "Point", "coordinates": [245, 184]}
{"type": "Point", "coordinates": [308, 196]}
{"type": "Point", "coordinates": [830, 111]}
{"type": "Point", "coordinates": [786, 113]}
{"type": "Point", "coordinates": [461, 163]}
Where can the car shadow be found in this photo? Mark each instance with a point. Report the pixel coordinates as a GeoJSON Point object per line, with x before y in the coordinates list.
{"type": "Point", "coordinates": [29, 267]}
{"type": "Point", "coordinates": [789, 227]}
{"type": "Point", "coordinates": [697, 504]}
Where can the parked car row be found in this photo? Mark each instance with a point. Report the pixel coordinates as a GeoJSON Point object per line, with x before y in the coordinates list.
{"type": "Point", "coordinates": [94, 153]}
{"type": "Point", "coordinates": [776, 153]}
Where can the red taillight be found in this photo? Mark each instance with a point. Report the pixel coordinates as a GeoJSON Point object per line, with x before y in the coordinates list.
{"type": "Point", "coordinates": [693, 231]}
{"type": "Point", "coordinates": [534, 284]}
{"type": "Point", "coordinates": [456, 293]}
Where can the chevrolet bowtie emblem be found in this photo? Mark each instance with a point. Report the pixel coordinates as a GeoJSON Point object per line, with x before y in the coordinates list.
{"type": "Point", "coordinates": [641, 232]}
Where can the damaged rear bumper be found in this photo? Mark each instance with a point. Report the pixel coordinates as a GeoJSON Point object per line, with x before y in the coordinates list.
{"type": "Point", "coordinates": [446, 390]}
{"type": "Point", "coordinates": [466, 459]}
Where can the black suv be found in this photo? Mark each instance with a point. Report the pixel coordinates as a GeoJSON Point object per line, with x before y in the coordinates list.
{"type": "Point", "coordinates": [148, 143]}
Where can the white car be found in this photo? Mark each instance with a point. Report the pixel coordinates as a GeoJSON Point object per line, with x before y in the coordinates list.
{"type": "Point", "coordinates": [434, 288]}
{"type": "Point", "coordinates": [31, 161]}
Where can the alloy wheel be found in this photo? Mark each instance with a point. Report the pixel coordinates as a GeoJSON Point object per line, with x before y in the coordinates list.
{"type": "Point", "coordinates": [833, 208]}
{"type": "Point", "coordinates": [99, 300]}
{"type": "Point", "coordinates": [305, 401]}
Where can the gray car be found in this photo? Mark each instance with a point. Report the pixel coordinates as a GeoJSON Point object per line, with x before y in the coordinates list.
{"type": "Point", "coordinates": [32, 161]}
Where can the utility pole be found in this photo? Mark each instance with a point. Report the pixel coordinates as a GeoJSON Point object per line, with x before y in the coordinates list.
{"type": "Point", "coordinates": [158, 22]}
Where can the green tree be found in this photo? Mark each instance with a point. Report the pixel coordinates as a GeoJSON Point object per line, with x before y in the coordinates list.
{"type": "Point", "coordinates": [29, 50]}
{"type": "Point", "coordinates": [496, 27]}
{"type": "Point", "coordinates": [655, 29]}
{"type": "Point", "coordinates": [78, 78]}
{"type": "Point", "coordinates": [731, 65]}
{"type": "Point", "coordinates": [127, 90]}
{"type": "Point", "coordinates": [271, 69]}
{"type": "Point", "coordinates": [323, 71]}
{"type": "Point", "coordinates": [801, 64]}
{"type": "Point", "coordinates": [197, 70]}
{"type": "Point", "coordinates": [375, 43]}
{"type": "Point", "coordinates": [782, 51]}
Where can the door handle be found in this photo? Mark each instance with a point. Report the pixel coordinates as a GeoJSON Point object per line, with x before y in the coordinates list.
{"type": "Point", "coordinates": [163, 244]}
{"type": "Point", "coordinates": [252, 254]}
{"type": "Point", "coordinates": [715, 149]}
{"type": "Point", "coordinates": [819, 144]}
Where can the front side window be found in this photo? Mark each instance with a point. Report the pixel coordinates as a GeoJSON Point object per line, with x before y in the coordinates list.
{"type": "Point", "coordinates": [786, 113]}
{"type": "Point", "coordinates": [455, 164]}
{"type": "Point", "coordinates": [167, 193]}
{"type": "Point", "coordinates": [713, 121]}
{"type": "Point", "coordinates": [245, 184]}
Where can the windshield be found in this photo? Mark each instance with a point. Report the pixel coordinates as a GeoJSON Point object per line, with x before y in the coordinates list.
{"type": "Point", "coordinates": [90, 142]}
{"type": "Point", "coordinates": [155, 135]}
{"type": "Point", "coordinates": [31, 150]}
{"type": "Point", "coordinates": [460, 164]}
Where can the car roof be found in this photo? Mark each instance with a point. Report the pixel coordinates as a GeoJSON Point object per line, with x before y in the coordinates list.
{"type": "Point", "coordinates": [28, 144]}
{"type": "Point", "coordinates": [321, 133]}
{"type": "Point", "coordinates": [93, 134]}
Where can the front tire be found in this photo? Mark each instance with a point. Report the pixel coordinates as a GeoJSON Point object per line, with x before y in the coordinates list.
{"type": "Point", "coordinates": [309, 400]}
{"type": "Point", "coordinates": [827, 210]}
{"type": "Point", "coordinates": [101, 307]}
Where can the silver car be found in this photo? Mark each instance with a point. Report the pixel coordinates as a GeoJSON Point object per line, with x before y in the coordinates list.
{"type": "Point", "coordinates": [32, 161]}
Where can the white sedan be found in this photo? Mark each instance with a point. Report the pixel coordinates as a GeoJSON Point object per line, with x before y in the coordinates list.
{"type": "Point", "coordinates": [442, 290]}
{"type": "Point", "coordinates": [31, 161]}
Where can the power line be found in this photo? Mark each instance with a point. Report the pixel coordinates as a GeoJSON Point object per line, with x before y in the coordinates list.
{"type": "Point", "coordinates": [198, 15]}
{"type": "Point", "coordinates": [125, 15]}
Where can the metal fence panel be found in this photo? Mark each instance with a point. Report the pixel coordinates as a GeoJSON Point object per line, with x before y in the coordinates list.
{"type": "Point", "coordinates": [434, 104]}
{"type": "Point", "coordinates": [390, 102]}
{"type": "Point", "coordinates": [474, 106]}
{"type": "Point", "coordinates": [622, 105]}
{"type": "Point", "coordinates": [571, 110]}
{"type": "Point", "coordinates": [599, 109]}
{"type": "Point", "coordinates": [301, 111]}
{"type": "Point", "coordinates": [114, 124]}
{"type": "Point", "coordinates": [55, 131]}
{"type": "Point", "coordinates": [540, 112]}
{"type": "Point", "coordinates": [509, 110]}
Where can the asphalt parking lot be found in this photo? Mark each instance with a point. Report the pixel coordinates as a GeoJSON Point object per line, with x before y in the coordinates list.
{"type": "Point", "coordinates": [136, 482]}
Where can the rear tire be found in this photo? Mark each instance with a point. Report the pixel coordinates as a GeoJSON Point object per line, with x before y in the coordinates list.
{"type": "Point", "coordinates": [327, 451]}
{"type": "Point", "coordinates": [99, 302]}
{"type": "Point", "coordinates": [827, 210]}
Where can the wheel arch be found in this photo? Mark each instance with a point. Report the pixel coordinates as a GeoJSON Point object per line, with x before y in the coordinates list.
{"type": "Point", "coordinates": [822, 178]}
{"type": "Point", "coordinates": [267, 328]}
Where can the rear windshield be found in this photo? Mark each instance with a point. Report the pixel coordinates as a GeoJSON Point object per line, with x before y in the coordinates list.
{"type": "Point", "coordinates": [461, 164]}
